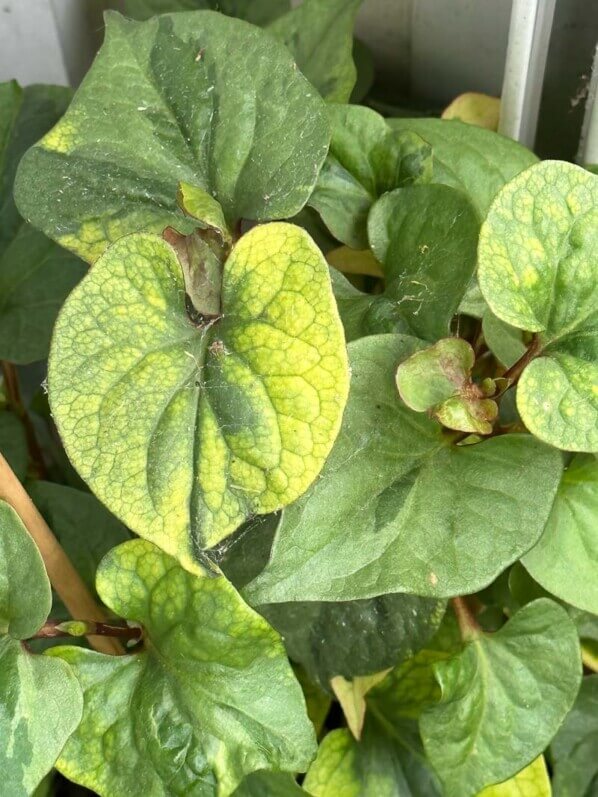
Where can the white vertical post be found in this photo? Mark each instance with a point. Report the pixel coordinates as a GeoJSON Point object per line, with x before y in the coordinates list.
{"type": "Point", "coordinates": [588, 144]}
{"type": "Point", "coordinates": [529, 37]}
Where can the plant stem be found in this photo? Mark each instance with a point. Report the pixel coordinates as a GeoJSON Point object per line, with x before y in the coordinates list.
{"type": "Point", "coordinates": [514, 372]}
{"type": "Point", "coordinates": [64, 578]}
{"type": "Point", "coordinates": [468, 626]}
{"type": "Point", "coordinates": [13, 393]}
{"type": "Point", "coordinates": [78, 628]}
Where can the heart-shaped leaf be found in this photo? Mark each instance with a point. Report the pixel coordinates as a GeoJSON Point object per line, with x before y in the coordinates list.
{"type": "Point", "coordinates": [222, 420]}
{"type": "Point", "coordinates": [426, 239]}
{"type": "Point", "coordinates": [36, 275]}
{"type": "Point", "coordinates": [434, 519]}
{"type": "Point", "coordinates": [259, 12]}
{"type": "Point", "coordinates": [476, 161]}
{"type": "Point", "coordinates": [198, 98]}
{"type": "Point", "coordinates": [538, 272]}
{"type": "Point", "coordinates": [574, 747]}
{"type": "Point", "coordinates": [346, 638]}
{"type": "Point", "coordinates": [41, 700]}
{"type": "Point", "coordinates": [569, 543]}
{"type": "Point", "coordinates": [438, 379]}
{"type": "Point", "coordinates": [319, 34]}
{"type": "Point", "coordinates": [503, 699]}
{"type": "Point", "coordinates": [365, 160]}
{"type": "Point", "coordinates": [210, 699]}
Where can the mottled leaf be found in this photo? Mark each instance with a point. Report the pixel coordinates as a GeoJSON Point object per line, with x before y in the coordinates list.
{"type": "Point", "coordinates": [365, 160]}
{"type": "Point", "coordinates": [198, 98]}
{"type": "Point", "coordinates": [565, 558]}
{"type": "Point", "coordinates": [222, 421]}
{"type": "Point", "coordinates": [503, 699]}
{"type": "Point", "coordinates": [211, 699]}
{"type": "Point", "coordinates": [476, 161]}
{"type": "Point", "coordinates": [398, 508]}
{"type": "Point", "coordinates": [538, 272]}
{"type": "Point", "coordinates": [574, 747]}
{"type": "Point", "coordinates": [40, 699]}
{"type": "Point", "coordinates": [319, 34]}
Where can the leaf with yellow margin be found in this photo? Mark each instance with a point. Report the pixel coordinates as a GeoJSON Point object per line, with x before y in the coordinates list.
{"type": "Point", "coordinates": [210, 699]}
{"type": "Point", "coordinates": [351, 695]}
{"type": "Point", "coordinates": [223, 420]}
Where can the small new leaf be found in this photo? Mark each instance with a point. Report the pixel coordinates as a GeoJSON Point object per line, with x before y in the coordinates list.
{"type": "Point", "coordinates": [439, 380]}
{"type": "Point", "coordinates": [211, 699]}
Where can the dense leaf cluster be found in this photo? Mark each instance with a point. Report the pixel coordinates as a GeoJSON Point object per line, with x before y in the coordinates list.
{"type": "Point", "coordinates": [320, 434]}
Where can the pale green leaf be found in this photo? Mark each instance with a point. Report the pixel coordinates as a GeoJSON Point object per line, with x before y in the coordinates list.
{"type": "Point", "coordinates": [574, 747]}
{"type": "Point", "coordinates": [202, 206]}
{"type": "Point", "coordinates": [537, 271]}
{"type": "Point", "coordinates": [533, 781]}
{"type": "Point", "coordinates": [13, 443]}
{"type": "Point", "coordinates": [503, 340]}
{"type": "Point", "coordinates": [211, 698]}
{"type": "Point", "coordinates": [319, 34]}
{"type": "Point", "coordinates": [565, 558]}
{"type": "Point", "coordinates": [198, 98]}
{"type": "Point", "coordinates": [433, 518]}
{"type": "Point", "coordinates": [347, 638]}
{"type": "Point", "coordinates": [36, 275]}
{"type": "Point", "coordinates": [503, 699]}
{"type": "Point", "coordinates": [269, 784]}
{"type": "Point", "coordinates": [222, 421]}
{"type": "Point", "coordinates": [476, 161]}
{"type": "Point", "coordinates": [426, 238]}
{"type": "Point", "coordinates": [474, 108]}
{"type": "Point", "coordinates": [40, 700]}
{"type": "Point", "coordinates": [365, 160]}
{"type": "Point", "coordinates": [351, 695]}
{"type": "Point", "coordinates": [259, 12]}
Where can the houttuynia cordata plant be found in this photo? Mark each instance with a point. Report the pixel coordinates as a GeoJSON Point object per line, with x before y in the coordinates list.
{"type": "Point", "coordinates": [313, 486]}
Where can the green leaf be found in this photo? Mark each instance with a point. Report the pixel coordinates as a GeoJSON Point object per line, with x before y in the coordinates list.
{"type": "Point", "coordinates": [198, 98]}
{"type": "Point", "coordinates": [319, 34]}
{"type": "Point", "coordinates": [387, 762]}
{"type": "Point", "coordinates": [40, 699]}
{"type": "Point", "coordinates": [533, 781]}
{"type": "Point", "coordinates": [475, 108]}
{"type": "Point", "coordinates": [351, 695]}
{"type": "Point", "coordinates": [434, 519]}
{"type": "Point", "coordinates": [222, 421]}
{"type": "Point", "coordinates": [476, 161]}
{"type": "Point", "coordinates": [13, 443]}
{"type": "Point", "coordinates": [426, 238]}
{"type": "Point", "coordinates": [198, 204]}
{"type": "Point", "coordinates": [259, 12]}
{"type": "Point", "coordinates": [269, 784]}
{"type": "Point", "coordinates": [569, 544]}
{"type": "Point", "coordinates": [537, 272]}
{"type": "Point", "coordinates": [210, 699]}
{"type": "Point", "coordinates": [84, 527]}
{"type": "Point", "coordinates": [438, 379]}
{"type": "Point", "coordinates": [36, 275]}
{"type": "Point", "coordinates": [503, 699]}
{"type": "Point", "coordinates": [365, 160]}
{"type": "Point", "coordinates": [347, 638]}
{"type": "Point", "coordinates": [574, 747]}
{"type": "Point", "coordinates": [503, 340]}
